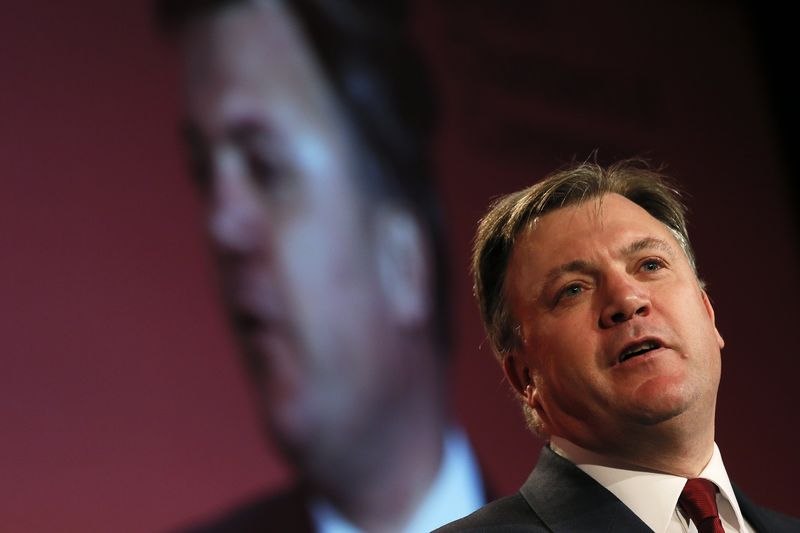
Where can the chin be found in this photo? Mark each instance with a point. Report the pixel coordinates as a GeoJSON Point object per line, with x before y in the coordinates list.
{"type": "Point", "coordinates": [653, 417]}
{"type": "Point", "coordinates": [665, 408]}
{"type": "Point", "coordinates": [292, 435]}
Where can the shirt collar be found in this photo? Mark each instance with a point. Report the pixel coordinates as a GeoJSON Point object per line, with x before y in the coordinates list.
{"type": "Point", "coordinates": [652, 496]}
{"type": "Point", "coordinates": [715, 472]}
{"type": "Point", "coordinates": [456, 491]}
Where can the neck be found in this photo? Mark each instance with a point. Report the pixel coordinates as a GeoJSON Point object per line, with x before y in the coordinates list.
{"type": "Point", "coordinates": [378, 482]}
{"type": "Point", "coordinates": [681, 446]}
{"type": "Point", "coordinates": [679, 455]}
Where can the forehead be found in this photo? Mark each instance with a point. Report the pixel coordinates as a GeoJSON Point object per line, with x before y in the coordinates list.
{"type": "Point", "coordinates": [589, 231]}
{"type": "Point", "coordinates": [242, 57]}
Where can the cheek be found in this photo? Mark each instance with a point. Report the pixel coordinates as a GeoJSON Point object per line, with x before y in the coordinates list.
{"type": "Point", "coordinates": [326, 266]}
{"type": "Point", "coordinates": [566, 357]}
{"type": "Point", "coordinates": [568, 336]}
{"type": "Point", "coordinates": [322, 248]}
{"type": "Point", "coordinates": [693, 328]}
{"type": "Point", "coordinates": [687, 313]}
{"type": "Point", "coordinates": [572, 356]}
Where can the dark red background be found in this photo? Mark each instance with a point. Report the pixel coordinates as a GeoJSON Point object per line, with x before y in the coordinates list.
{"type": "Point", "coordinates": [122, 407]}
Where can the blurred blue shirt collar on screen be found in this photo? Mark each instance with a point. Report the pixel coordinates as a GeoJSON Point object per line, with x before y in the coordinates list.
{"type": "Point", "coordinates": [456, 491]}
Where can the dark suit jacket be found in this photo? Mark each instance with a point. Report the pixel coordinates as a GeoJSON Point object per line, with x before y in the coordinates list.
{"type": "Point", "coordinates": [286, 511]}
{"type": "Point", "coordinates": [559, 497]}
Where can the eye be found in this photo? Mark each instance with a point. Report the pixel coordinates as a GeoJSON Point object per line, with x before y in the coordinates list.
{"type": "Point", "coordinates": [570, 291]}
{"type": "Point", "coordinates": [260, 152]}
{"type": "Point", "coordinates": [262, 169]}
{"type": "Point", "coordinates": [652, 265]}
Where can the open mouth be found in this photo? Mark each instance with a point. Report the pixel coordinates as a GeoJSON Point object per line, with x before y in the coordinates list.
{"type": "Point", "coordinates": [640, 348]}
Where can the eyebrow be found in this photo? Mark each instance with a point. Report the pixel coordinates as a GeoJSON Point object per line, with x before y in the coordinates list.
{"type": "Point", "coordinates": [648, 243]}
{"type": "Point", "coordinates": [241, 131]}
{"type": "Point", "coordinates": [580, 265]}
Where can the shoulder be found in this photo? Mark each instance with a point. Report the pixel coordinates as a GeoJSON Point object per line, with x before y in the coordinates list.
{"type": "Point", "coordinates": [511, 513]}
{"type": "Point", "coordinates": [765, 519]}
{"type": "Point", "coordinates": [286, 511]}
{"type": "Point", "coordinates": [779, 522]}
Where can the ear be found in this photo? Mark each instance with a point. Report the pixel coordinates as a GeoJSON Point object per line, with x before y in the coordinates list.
{"type": "Point", "coordinates": [710, 311]}
{"type": "Point", "coordinates": [403, 264]}
{"type": "Point", "coordinates": [520, 377]}
{"type": "Point", "coordinates": [517, 373]}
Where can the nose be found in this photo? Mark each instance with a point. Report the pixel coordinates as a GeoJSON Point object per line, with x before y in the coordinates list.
{"type": "Point", "coordinates": [625, 299]}
{"type": "Point", "coordinates": [235, 213]}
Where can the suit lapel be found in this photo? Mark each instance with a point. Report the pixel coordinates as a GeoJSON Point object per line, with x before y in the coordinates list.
{"type": "Point", "coordinates": [761, 519]}
{"type": "Point", "coordinates": [568, 500]}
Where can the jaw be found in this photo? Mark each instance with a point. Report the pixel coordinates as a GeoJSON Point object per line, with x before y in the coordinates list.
{"type": "Point", "coordinates": [647, 421]}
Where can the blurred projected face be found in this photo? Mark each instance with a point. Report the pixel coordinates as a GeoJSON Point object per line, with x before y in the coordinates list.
{"type": "Point", "coordinates": [289, 226]}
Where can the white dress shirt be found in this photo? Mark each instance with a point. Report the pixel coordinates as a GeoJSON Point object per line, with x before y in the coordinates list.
{"type": "Point", "coordinates": [653, 496]}
{"type": "Point", "coordinates": [456, 491]}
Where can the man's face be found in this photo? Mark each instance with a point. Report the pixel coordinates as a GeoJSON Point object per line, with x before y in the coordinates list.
{"type": "Point", "coordinates": [287, 224]}
{"type": "Point", "coordinates": [616, 331]}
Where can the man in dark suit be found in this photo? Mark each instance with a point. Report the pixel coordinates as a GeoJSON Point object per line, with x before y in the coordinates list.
{"type": "Point", "coordinates": [589, 292]}
{"type": "Point", "coordinates": [309, 124]}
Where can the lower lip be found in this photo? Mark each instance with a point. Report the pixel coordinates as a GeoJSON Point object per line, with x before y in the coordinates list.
{"type": "Point", "coordinates": [641, 359]}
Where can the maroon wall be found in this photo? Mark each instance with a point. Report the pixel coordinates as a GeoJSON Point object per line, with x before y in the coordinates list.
{"type": "Point", "coordinates": [121, 404]}
{"type": "Point", "coordinates": [540, 83]}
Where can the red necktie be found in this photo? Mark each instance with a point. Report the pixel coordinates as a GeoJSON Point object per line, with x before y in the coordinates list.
{"type": "Point", "coordinates": [699, 501]}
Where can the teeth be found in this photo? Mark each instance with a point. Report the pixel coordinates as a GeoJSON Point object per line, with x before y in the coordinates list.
{"type": "Point", "coordinates": [640, 348]}
{"type": "Point", "coordinates": [643, 346]}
